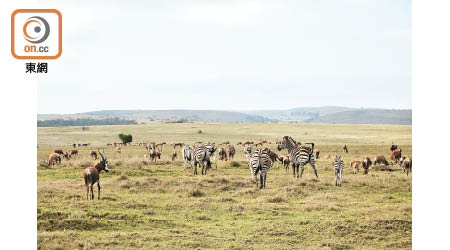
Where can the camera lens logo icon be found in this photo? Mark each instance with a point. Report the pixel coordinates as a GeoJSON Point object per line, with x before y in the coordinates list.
{"type": "Point", "coordinates": [36, 29]}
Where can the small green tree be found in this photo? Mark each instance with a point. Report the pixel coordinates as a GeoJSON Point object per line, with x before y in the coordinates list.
{"type": "Point", "coordinates": [125, 138]}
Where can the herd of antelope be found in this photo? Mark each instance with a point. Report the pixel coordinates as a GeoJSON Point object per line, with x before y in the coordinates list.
{"type": "Point", "coordinates": [259, 161]}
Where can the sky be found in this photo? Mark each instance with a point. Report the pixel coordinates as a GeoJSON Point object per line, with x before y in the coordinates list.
{"type": "Point", "coordinates": [229, 55]}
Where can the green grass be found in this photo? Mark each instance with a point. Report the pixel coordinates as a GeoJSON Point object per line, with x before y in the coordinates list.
{"type": "Point", "coordinates": [148, 205]}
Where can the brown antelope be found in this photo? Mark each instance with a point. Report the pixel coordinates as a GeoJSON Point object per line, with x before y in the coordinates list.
{"type": "Point", "coordinates": [73, 152]}
{"type": "Point", "coordinates": [345, 149]}
{"type": "Point", "coordinates": [92, 175]}
{"type": "Point", "coordinates": [93, 154]}
{"type": "Point", "coordinates": [366, 163]}
{"type": "Point", "coordinates": [355, 165]}
{"type": "Point", "coordinates": [174, 155]}
{"type": "Point", "coordinates": [380, 159]}
{"type": "Point", "coordinates": [285, 161]}
{"type": "Point", "coordinates": [118, 150]}
{"type": "Point", "coordinates": [223, 155]}
{"type": "Point", "coordinates": [239, 143]}
{"type": "Point", "coordinates": [53, 159]}
{"type": "Point", "coordinates": [59, 151]}
{"type": "Point", "coordinates": [406, 164]}
{"type": "Point", "coordinates": [273, 157]}
{"type": "Point", "coordinates": [231, 151]}
{"type": "Point", "coordinates": [396, 155]}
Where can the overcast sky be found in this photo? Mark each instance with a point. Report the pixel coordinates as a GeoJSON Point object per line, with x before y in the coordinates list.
{"type": "Point", "coordinates": [229, 55]}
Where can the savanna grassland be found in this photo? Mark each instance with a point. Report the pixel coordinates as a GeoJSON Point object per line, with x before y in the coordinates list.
{"type": "Point", "coordinates": [158, 205]}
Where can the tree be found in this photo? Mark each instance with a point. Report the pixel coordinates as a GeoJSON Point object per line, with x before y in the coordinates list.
{"type": "Point", "coordinates": [125, 138]}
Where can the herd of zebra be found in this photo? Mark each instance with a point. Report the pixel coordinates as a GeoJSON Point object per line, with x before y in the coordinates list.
{"type": "Point", "coordinates": [259, 161]}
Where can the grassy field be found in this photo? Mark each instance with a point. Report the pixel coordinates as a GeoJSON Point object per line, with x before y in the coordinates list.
{"type": "Point", "coordinates": [158, 205]}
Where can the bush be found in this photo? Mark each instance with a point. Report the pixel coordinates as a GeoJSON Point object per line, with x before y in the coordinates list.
{"type": "Point", "coordinates": [126, 138]}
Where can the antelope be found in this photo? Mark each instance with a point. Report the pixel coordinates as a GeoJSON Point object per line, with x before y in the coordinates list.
{"type": "Point", "coordinates": [160, 145]}
{"type": "Point", "coordinates": [355, 166]}
{"type": "Point", "coordinates": [223, 154]}
{"type": "Point", "coordinates": [380, 160]}
{"type": "Point", "coordinates": [285, 160]}
{"type": "Point", "coordinates": [73, 152]}
{"type": "Point", "coordinates": [406, 164]}
{"type": "Point", "coordinates": [231, 151]}
{"type": "Point", "coordinates": [92, 175]}
{"type": "Point", "coordinates": [93, 154]}
{"type": "Point", "coordinates": [154, 154]}
{"type": "Point", "coordinates": [118, 150]}
{"type": "Point", "coordinates": [59, 151]}
{"type": "Point", "coordinates": [224, 143]}
{"type": "Point", "coordinates": [53, 159]}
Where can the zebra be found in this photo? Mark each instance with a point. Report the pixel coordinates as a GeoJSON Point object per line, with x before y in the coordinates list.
{"type": "Point", "coordinates": [186, 153]}
{"type": "Point", "coordinates": [201, 154]}
{"type": "Point", "coordinates": [260, 162]}
{"type": "Point", "coordinates": [338, 169]}
{"type": "Point", "coordinates": [299, 156]}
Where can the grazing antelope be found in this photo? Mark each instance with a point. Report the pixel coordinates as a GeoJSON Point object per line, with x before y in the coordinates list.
{"type": "Point", "coordinates": [345, 149]}
{"type": "Point", "coordinates": [380, 159]}
{"type": "Point", "coordinates": [59, 151]}
{"type": "Point", "coordinates": [93, 154]}
{"type": "Point", "coordinates": [239, 143]}
{"type": "Point", "coordinates": [396, 155]}
{"type": "Point", "coordinates": [273, 158]}
{"type": "Point", "coordinates": [118, 150]}
{"type": "Point", "coordinates": [299, 156]}
{"type": "Point", "coordinates": [223, 155]}
{"type": "Point", "coordinates": [231, 151]}
{"type": "Point", "coordinates": [174, 155]}
{"type": "Point", "coordinates": [338, 169]}
{"type": "Point", "coordinates": [355, 165]}
{"type": "Point", "coordinates": [73, 152]}
{"type": "Point", "coordinates": [92, 175]}
{"type": "Point", "coordinates": [53, 159]}
{"type": "Point", "coordinates": [406, 164]}
{"type": "Point", "coordinates": [366, 163]}
{"type": "Point", "coordinates": [248, 143]}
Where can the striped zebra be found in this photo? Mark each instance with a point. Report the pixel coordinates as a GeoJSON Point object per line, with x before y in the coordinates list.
{"type": "Point", "coordinates": [186, 153]}
{"type": "Point", "coordinates": [338, 169]}
{"type": "Point", "coordinates": [200, 155]}
{"type": "Point", "coordinates": [260, 162]}
{"type": "Point", "coordinates": [299, 156]}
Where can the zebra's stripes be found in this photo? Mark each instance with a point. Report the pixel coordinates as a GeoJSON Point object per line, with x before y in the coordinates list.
{"type": "Point", "coordinates": [299, 156]}
{"type": "Point", "coordinates": [260, 162]}
{"type": "Point", "coordinates": [202, 154]}
{"type": "Point", "coordinates": [338, 169]}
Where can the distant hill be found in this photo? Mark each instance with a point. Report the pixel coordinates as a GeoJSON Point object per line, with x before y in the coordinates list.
{"type": "Point", "coordinates": [327, 114]}
{"type": "Point", "coordinates": [402, 117]}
